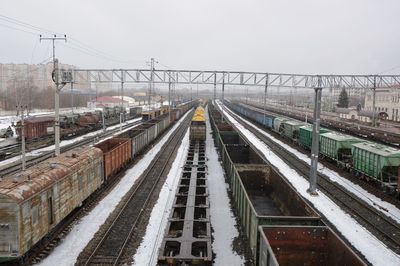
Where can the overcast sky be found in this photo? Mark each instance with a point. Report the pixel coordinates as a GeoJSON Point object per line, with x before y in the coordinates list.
{"type": "Point", "coordinates": [288, 36]}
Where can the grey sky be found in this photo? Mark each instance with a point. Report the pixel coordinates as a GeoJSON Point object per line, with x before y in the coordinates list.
{"type": "Point", "coordinates": [289, 36]}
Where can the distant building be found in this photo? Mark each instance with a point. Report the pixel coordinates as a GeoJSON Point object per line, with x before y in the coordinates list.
{"type": "Point", "coordinates": [39, 74]}
{"type": "Point", "coordinates": [106, 101]}
{"type": "Point", "coordinates": [129, 100]}
{"type": "Point", "coordinates": [386, 100]}
{"type": "Point", "coordinates": [363, 115]}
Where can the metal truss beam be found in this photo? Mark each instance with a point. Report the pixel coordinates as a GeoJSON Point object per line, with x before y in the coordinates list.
{"type": "Point", "coordinates": [235, 78]}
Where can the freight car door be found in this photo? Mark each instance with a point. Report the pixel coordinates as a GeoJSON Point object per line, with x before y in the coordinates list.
{"type": "Point", "coordinates": [50, 210]}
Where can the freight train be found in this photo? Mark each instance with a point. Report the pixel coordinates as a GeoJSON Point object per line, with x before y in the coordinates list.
{"type": "Point", "coordinates": [280, 226]}
{"type": "Point", "coordinates": [71, 125]}
{"type": "Point", "coordinates": [34, 202]}
{"type": "Point", "coordinates": [367, 160]}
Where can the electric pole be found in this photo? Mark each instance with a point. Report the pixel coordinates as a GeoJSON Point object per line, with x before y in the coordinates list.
{"type": "Point", "coordinates": [151, 84]}
{"type": "Point", "coordinates": [57, 92]}
{"type": "Point", "coordinates": [374, 103]}
{"type": "Point", "coordinates": [265, 94]}
{"type": "Point", "coordinates": [21, 109]}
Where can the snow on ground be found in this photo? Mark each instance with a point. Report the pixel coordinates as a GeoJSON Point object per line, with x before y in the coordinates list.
{"type": "Point", "coordinates": [222, 218]}
{"type": "Point", "coordinates": [147, 253]}
{"type": "Point", "coordinates": [67, 142]}
{"type": "Point", "coordinates": [373, 250]}
{"type": "Point", "coordinates": [382, 206]}
{"type": "Point", "coordinates": [82, 232]}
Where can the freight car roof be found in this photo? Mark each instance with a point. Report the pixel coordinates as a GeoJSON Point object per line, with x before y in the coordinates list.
{"type": "Point", "coordinates": [294, 123]}
{"type": "Point", "coordinates": [39, 119]}
{"type": "Point", "coordinates": [23, 185]}
{"type": "Point", "coordinates": [381, 150]}
{"type": "Point", "coordinates": [340, 137]}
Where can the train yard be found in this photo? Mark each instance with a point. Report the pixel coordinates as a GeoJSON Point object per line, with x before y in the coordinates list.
{"type": "Point", "coordinates": [121, 172]}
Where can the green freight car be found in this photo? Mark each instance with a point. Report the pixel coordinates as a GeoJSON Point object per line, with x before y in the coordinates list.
{"type": "Point", "coordinates": [291, 129]}
{"type": "Point", "coordinates": [305, 135]}
{"type": "Point", "coordinates": [337, 146]}
{"type": "Point", "coordinates": [377, 161]}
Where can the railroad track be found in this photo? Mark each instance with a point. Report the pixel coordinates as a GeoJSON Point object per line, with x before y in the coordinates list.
{"type": "Point", "coordinates": [14, 167]}
{"type": "Point", "coordinates": [384, 228]}
{"type": "Point", "coordinates": [112, 244]}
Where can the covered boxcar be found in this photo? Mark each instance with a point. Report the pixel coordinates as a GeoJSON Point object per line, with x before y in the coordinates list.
{"type": "Point", "coordinates": [36, 127]}
{"type": "Point", "coordinates": [377, 161]}
{"type": "Point", "coordinates": [33, 202]}
{"type": "Point", "coordinates": [337, 146]}
{"type": "Point", "coordinates": [117, 152]}
{"type": "Point", "coordinates": [303, 245]}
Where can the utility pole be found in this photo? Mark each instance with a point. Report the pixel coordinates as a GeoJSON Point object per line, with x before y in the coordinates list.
{"type": "Point", "coordinates": [122, 109]}
{"type": "Point", "coordinates": [152, 62]}
{"type": "Point", "coordinates": [265, 94]}
{"type": "Point", "coordinates": [373, 103]}
{"type": "Point", "coordinates": [21, 109]}
{"type": "Point", "coordinates": [223, 95]}
{"type": "Point", "coordinates": [72, 97]}
{"type": "Point", "coordinates": [215, 86]}
{"type": "Point", "coordinates": [169, 94]}
{"type": "Point", "coordinates": [57, 92]}
{"type": "Point", "coordinates": [315, 140]}
{"type": "Point", "coordinates": [191, 94]}
{"type": "Point", "coordinates": [247, 94]}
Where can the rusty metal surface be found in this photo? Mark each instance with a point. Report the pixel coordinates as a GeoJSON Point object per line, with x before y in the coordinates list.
{"type": "Point", "coordinates": [304, 245]}
{"type": "Point", "coordinates": [25, 184]}
{"type": "Point", "coordinates": [188, 234]}
{"type": "Point", "coordinates": [117, 152]}
{"type": "Point", "coordinates": [36, 127]}
{"type": "Point", "coordinates": [88, 119]}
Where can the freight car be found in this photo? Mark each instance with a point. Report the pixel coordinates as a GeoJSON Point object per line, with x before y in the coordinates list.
{"type": "Point", "coordinates": [303, 245]}
{"type": "Point", "coordinates": [263, 197]}
{"type": "Point", "coordinates": [339, 148]}
{"type": "Point", "coordinates": [377, 162]}
{"type": "Point", "coordinates": [198, 125]}
{"type": "Point", "coordinates": [36, 128]}
{"type": "Point", "coordinates": [33, 202]}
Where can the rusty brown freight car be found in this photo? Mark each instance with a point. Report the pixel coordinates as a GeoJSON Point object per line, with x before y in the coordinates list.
{"type": "Point", "coordinates": [36, 127]}
{"type": "Point", "coordinates": [303, 245]}
{"type": "Point", "coordinates": [34, 201]}
{"type": "Point", "coordinates": [117, 152]}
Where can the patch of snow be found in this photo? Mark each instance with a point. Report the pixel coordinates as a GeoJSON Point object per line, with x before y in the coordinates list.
{"type": "Point", "coordinates": [83, 231]}
{"type": "Point", "coordinates": [373, 250]}
{"type": "Point", "coordinates": [222, 219]}
{"type": "Point", "coordinates": [147, 253]}
{"type": "Point", "coordinates": [377, 203]}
